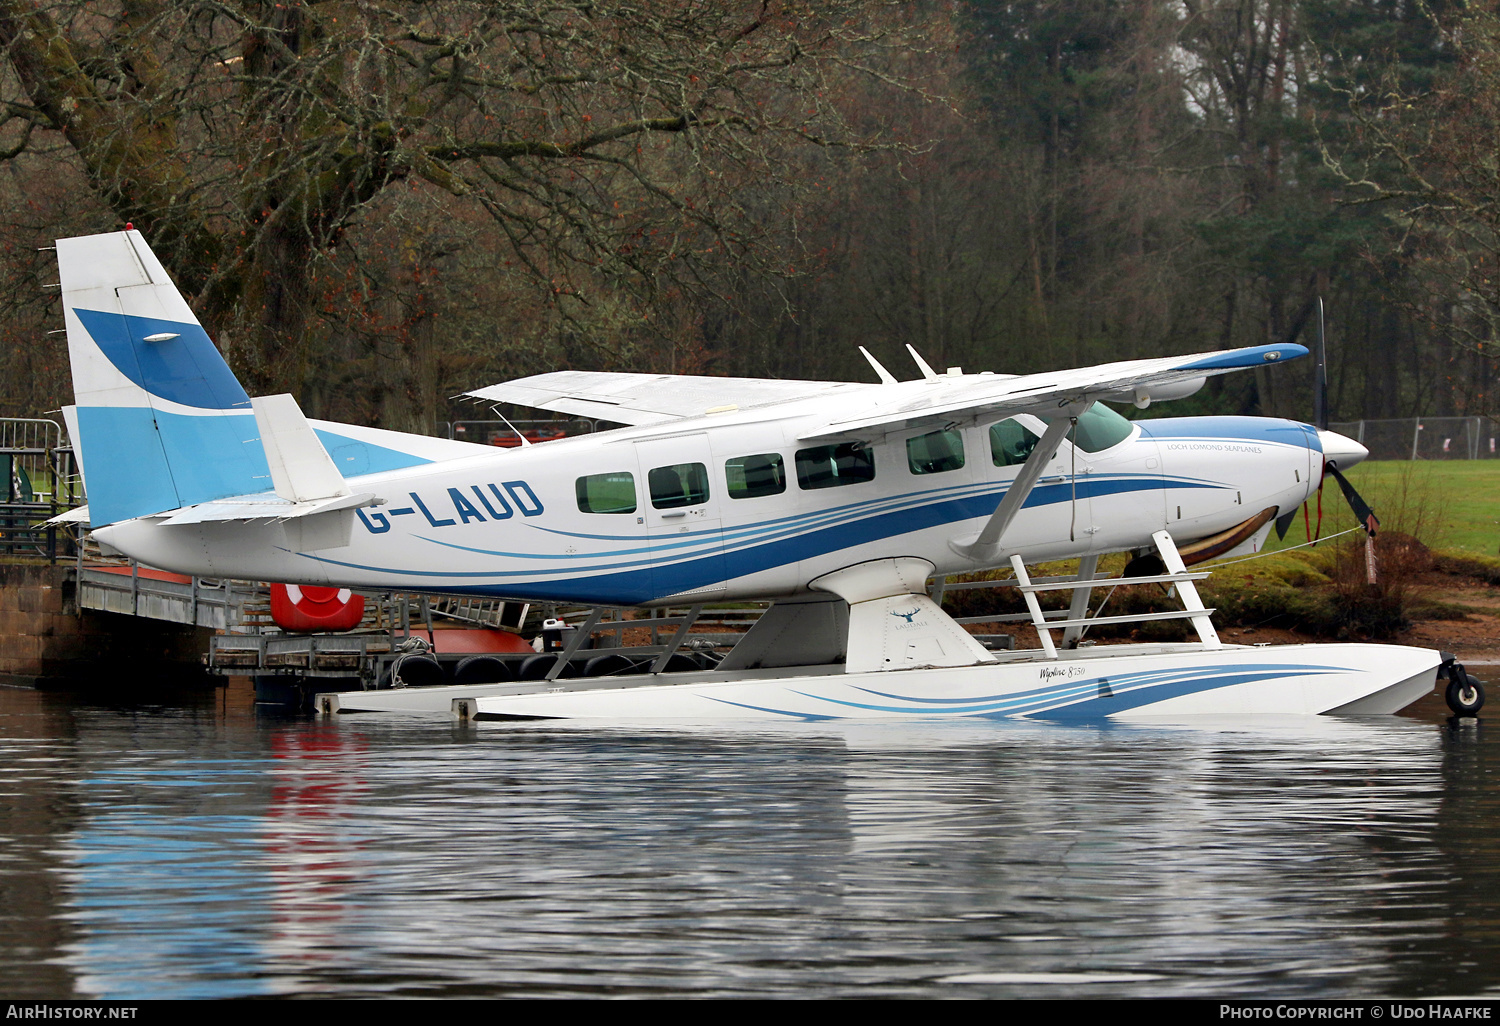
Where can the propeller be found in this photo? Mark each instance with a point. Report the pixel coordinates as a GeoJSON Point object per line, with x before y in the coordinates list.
{"type": "Point", "coordinates": [1356, 502]}
{"type": "Point", "coordinates": [1284, 523]}
{"type": "Point", "coordinates": [1336, 447]}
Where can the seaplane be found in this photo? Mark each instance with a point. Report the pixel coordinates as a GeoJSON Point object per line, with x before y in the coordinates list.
{"type": "Point", "coordinates": [834, 501]}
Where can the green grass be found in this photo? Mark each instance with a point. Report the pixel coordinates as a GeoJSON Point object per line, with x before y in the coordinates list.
{"type": "Point", "coordinates": [1450, 505]}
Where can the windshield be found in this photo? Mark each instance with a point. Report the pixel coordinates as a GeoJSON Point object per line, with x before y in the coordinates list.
{"type": "Point", "coordinates": [1100, 428]}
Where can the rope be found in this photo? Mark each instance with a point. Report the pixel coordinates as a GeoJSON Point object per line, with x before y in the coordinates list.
{"type": "Point", "coordinates": [1117, 583]}
{"type": "Point", "coordinates": [1289, 548]}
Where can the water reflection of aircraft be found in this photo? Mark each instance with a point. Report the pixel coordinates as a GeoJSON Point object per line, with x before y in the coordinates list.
{"type": "Point", "coordinates": [836, 500]}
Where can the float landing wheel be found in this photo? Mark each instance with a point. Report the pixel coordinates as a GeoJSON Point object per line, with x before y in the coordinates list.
{"type": "Point", "coordinates": [1465, 694]}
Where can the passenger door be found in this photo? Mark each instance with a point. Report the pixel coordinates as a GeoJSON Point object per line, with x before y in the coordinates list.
{"type": "Point", "coordinates": [681, 512]}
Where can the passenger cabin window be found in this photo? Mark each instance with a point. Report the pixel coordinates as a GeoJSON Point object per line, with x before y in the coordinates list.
{"type": "Point", "coordinates": [935, 453]}
{"type": "Point", "coordinates": [682, 484]}
{"type": "Point", "coordinates": [750, 477]}
{"type": "Point", "coordinates": [1010, 443]}
{"type": "Point", "coordinates": [829, 466]}
{"type": "Point", "coordinates": [607, 493]}
{"type": "Point", "coordinates": [1100, 428]}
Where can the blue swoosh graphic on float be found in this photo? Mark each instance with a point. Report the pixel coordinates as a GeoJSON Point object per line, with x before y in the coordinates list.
{"type": "Point", "coordinates": [1068, 701]}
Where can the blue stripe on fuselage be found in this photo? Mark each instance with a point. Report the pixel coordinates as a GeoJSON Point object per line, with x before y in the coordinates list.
{"type": "Point", "coordinates": [1250, 429]}
{"type": "Point", "coordinates": [635, 572]}
{"type": "Point", "coordinates": [641, 583]}
{"type": "Point", "coordinates": [354, 457]}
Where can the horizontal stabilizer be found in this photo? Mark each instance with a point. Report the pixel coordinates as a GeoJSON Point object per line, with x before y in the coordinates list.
{"type": "Point", "coordinates": [267, 507]}
{"type": "Point", "coordinates": [77, 515]}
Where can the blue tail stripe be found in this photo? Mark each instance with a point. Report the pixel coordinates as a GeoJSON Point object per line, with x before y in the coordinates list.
{"type": "Point", "coordinates": [142, 461]}
{"type": "Point", "coordinates": [186, 369]}
{"type": "Point", "coordinates": [128, 475]}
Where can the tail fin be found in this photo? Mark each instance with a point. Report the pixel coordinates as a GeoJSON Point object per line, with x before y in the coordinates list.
{"type": "Point", "coordinates": [162, 422]}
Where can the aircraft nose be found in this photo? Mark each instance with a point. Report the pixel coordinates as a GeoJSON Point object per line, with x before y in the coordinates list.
{"type": "Point", "coordinates": [1341, 450]}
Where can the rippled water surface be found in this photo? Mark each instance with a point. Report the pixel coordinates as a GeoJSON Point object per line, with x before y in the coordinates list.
{"type": "Point", "coordinates": [195, 849]}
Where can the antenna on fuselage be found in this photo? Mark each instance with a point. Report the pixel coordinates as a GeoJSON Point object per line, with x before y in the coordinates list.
{"type": "Point", "coordinates": [927, 372]}
{"type": "Point", "coordinates": [886, 377]}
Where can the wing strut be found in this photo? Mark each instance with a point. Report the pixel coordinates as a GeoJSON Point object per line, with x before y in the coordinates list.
{"type": "Point", "coordinates": [985, 546]}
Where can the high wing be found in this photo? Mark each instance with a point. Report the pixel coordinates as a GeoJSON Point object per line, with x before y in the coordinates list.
{"type": "Point", "coordinates": [981, 397]}
{"type": "Point", "coordinates": [649, 398]}
{"type": "Point", "coordinates": [1056, 397]}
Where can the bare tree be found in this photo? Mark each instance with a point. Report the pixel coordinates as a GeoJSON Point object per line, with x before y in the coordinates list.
{"type": "Point", "coordinates": [610, 144]}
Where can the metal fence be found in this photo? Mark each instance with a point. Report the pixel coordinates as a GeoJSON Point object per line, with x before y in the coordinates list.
{"type": "Point", "coordinates": [1426, 438]}
{"type": "Point", "coordinates": [503, 433]}
{"type": "Point", "coordinates": [38, 479]}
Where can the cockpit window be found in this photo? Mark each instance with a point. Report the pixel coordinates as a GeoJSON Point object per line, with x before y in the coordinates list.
{"type": "Point", "coordinates": [1010, 443]}
{"type": "Point", "coordinates": [1100, 428]}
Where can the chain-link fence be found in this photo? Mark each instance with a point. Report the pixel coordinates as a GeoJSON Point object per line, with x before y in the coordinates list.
{"type": "Point", "coordinates": [1425, 438]}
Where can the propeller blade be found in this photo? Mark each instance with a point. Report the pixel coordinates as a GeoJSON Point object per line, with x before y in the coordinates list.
{"type": "Point", "coordinates": [1356, 502]}
{"type": "Point", "coordinates": [1284, 522]}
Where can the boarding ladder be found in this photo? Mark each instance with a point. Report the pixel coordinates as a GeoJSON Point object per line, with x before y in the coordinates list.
{"type": "Point", "coordinates": [1073, 621]}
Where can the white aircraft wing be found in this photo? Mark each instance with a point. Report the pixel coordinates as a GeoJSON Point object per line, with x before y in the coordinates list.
{"type": "Point", "coordinates": [649, 398]}
{"type": "Point", "coordinates": [979, 397]}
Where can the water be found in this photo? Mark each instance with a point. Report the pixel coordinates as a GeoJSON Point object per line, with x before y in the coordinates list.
{"type": "Point", "coordinates": [195, 849]}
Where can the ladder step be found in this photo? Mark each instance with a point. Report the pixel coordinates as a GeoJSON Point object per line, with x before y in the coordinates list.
{"type": "Point", "coordinates": [1050, 614]}
{"type": "Point", "coordinates": [1010, 582]}
{"type": "Point", "coordinates": [1171, 614]}
{"type": "Point", "coordinates": [1115, 582]}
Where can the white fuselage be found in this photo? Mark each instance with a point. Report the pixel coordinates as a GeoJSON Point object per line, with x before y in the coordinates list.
{"type": "Point", "coordinates": [512, 523]}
